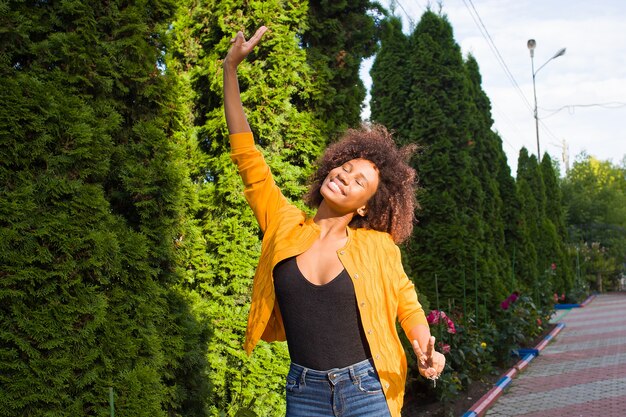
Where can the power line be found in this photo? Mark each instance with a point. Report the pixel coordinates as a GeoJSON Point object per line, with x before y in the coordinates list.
{"type": "Point", "coordinates": [411, 21]}
{"type": "Point", "coordinates": [572, 107]}
{"type": "Point", "coordinates": [494, 49]}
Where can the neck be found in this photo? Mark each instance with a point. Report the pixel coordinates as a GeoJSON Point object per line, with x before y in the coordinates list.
{"type": "Point", "coordinates": [331, 223]}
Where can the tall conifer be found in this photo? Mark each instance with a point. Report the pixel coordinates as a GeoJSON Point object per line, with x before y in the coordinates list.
{"type": "Point", "coordinates": [446, 241]}
{"type": "Point", "coordinates": [392, 80]}
{"type": "Point", "coordinates": [555, 213]}
{"type": "Point", "coordinates": [298, 88]}
{"type": "Point", "coordinates": [528, 223]}
{"type": "Point", "coordinates": [338, 36]}
{"type": "Point", "coordinates": [90, 210]}
{"type": "Point", "coordinates": [486, 151]}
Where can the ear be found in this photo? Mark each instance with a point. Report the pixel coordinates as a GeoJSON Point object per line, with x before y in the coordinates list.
{"type": "Point", "coordinates": [362, 211]}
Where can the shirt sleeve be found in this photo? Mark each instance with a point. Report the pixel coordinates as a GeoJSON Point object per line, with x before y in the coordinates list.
{"type": "Point", "coordinates": [261, 192]}
{"type": "Point", "coordinates": [410, 311]}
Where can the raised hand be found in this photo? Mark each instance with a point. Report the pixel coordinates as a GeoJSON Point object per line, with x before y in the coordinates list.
{"type": "Point", "coordinates": [431, 363]}
{"type": "Point", "coordinates": [241, 48]}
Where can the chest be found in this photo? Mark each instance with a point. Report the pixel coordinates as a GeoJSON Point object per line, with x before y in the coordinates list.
{"type": "Point", "coordinates": [319, 264]}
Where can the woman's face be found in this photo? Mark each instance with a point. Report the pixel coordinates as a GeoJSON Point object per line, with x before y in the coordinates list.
{"type": "Point", "coordinates": [349, 187]}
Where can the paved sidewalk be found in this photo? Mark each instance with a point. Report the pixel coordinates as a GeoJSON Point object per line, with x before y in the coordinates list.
{"type": "Point", "coordinates": [582, 372]}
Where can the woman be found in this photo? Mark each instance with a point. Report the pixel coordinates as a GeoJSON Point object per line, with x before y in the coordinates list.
{"type": "Point", "coordinates": [333, 286]}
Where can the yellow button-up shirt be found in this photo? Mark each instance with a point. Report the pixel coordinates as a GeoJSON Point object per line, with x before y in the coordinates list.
{"type": "Point", "coordinates": [384, 293]}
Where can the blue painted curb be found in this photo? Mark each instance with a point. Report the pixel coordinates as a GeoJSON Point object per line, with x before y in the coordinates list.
{"type": "Point", "coordinates": [566, 306]}
{"type": "Point", "coordinates": [524, 352]}
{"type": "Point", "coordinates": [482, 405]}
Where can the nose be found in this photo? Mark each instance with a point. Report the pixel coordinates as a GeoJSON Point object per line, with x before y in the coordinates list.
{"type": "Point", "coordinates": [343, 178]}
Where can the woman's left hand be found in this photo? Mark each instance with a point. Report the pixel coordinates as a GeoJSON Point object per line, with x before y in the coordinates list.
{"type": "Point", "coordinates": [431, 363]}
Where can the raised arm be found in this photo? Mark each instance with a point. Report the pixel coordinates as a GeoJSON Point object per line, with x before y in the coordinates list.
{"type": "Point", "coordinates": [261, 191]}
{"type": "Point", "coordinates": [235, 115]}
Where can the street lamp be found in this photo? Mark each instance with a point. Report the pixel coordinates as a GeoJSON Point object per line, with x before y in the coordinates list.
{"type": "Point", "coordinates": [531, 46]}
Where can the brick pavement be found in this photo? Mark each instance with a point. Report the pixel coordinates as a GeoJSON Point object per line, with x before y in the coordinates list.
{"type": "Point", "coordinates": [582, 372]}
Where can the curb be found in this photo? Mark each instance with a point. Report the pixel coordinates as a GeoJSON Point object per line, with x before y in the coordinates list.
{"type": "Point", "coordinates": [568, 306]}
{"type": "Point", "coordinates": [487, 400]}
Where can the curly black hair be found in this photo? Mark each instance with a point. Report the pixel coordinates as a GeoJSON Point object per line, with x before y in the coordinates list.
{"type": "Point", "coordinates": [392, 208]}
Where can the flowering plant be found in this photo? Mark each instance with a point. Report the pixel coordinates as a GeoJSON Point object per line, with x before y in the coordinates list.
{"type": "Point", "coordinates": [509, 300]}
{"type": "Point", "coordinates": [436, 316]}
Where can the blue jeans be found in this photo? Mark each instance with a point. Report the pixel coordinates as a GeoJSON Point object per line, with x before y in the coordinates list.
{"type": "Point", "coordinates": [353, 391]}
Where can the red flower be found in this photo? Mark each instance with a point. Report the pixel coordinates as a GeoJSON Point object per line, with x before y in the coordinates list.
{"type": "Point", "coordinates": [509, 300]}
{"type": "Point", "coordinates": [435, 315]}
{"type": "Point", "coordinates": [444, 347]}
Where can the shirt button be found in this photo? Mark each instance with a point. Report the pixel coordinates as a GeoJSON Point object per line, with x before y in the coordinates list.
{"type": "Point", "coordinates": [377, 356]}
{"type": "Point", "coordinates": [363, 304]}
{"type": "Point", "coordinates": [387, 385]}
{"type": "Point", "coordinates": [356, 275]}
{"type": "Point", "coordinates": [341, 252]}
{"type": "Point", "coordinates": [369, 331]}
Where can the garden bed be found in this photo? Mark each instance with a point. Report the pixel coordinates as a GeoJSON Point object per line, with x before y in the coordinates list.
{"type": "Point", "coordinates": [426, 407]}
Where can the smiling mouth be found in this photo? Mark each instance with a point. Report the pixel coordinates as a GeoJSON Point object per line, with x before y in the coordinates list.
{"type": "Point", "coordinates": [333, 186]}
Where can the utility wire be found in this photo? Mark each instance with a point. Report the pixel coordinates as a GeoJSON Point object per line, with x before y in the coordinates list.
{"type": "Point", "coordinates": [408, 16]}
{"type": "Point", "coordinates": [572, 107]}
{"type": "Point", "coordinates": [494, 49]}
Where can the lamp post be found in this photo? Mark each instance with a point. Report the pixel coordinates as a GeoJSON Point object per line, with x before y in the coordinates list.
{"type": "Point", "coordinates": [531, 46]}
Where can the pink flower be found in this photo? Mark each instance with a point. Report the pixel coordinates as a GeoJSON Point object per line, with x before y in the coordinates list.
{"type": "Point", "coordinates": [509, 300]}
{"type": "Point", "coordinates": [451, 328]}
{"type": "Point", "coordinates": [538, 322]}
{"type": "Point", "coordinates": [444, 347]}
{"type": "Point", "coordinates": [556, 297]}
{"type": "Point", "coordinates": [436, 315]}
{"type": "Point", "coordinates": [563, 297]}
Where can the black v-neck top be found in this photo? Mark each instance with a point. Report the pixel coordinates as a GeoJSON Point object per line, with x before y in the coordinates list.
{"type": "Point", "coordinates": [322, 322]}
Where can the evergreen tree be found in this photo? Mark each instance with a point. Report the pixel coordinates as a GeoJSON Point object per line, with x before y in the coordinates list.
{"type": "Point", "coordinates": [526, 259]}
{"type": "Point", "coordinates": [486, 150]}
{"type": "Point", "coordinates": [338, 36]}
{"type": "Point", "coordinates": [391, 81]}
{"type": "Point", "coordinates": [511, 216]}
{"type": "Point", "coordinates": [556, 215]}
{"type": "Point", "coordinates": [446, 240]}
{"type": "Point", "coordinates": [282, 95]}
{"type": "Point", "coordinates": [91, 206]}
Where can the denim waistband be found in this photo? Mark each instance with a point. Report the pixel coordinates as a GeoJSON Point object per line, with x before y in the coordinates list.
{"type": "Point", "coordinates": [336, 374]}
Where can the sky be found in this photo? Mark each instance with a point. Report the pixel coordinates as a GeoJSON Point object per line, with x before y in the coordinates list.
{"type": "Point", "coordinates": [581, 95]}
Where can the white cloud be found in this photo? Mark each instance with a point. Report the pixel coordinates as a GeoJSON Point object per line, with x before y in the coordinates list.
{"type": "Point", "coordinates": [593, 70]}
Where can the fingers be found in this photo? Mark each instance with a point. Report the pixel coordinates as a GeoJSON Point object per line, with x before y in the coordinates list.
{"type": "Point", "coordinates": [421, 357]}
{"type": "Point", "coordinates": [438, 362]}
{"type": "Point", "coordinates": [238, 39]}
{"type": "Point", "coordinates": [256, 38]}
{"type": "Point", "coordinates": [431, 363]}
{"type": "Point", "coordinates": [430, 348]}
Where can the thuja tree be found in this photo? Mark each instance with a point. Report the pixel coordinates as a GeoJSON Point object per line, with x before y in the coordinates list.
{"type": "Point", "coordinates": [561, 266]}
{"type": "Point", "coordinates": [446, 240]}
{"type": "Point", "coordinates": [91, 205]}
{"type": "Point", "coordinates": [487, 154]}
{"type": "Point", "coordinates": [391, 81]}
{"type": "Point", "coordinates": [526, 254]}
{"type": "Point", "coordinates": [338, 36]}
{"type": "Point", "coordinates": [277, 91]}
